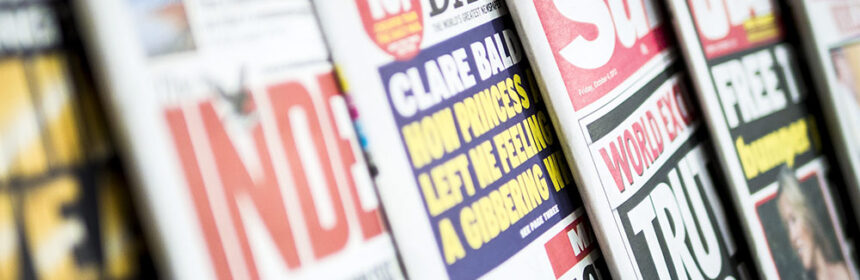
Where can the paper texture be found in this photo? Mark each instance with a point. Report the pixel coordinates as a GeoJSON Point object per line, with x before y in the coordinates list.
{"type": "Point", "coordinates": [240, 138]}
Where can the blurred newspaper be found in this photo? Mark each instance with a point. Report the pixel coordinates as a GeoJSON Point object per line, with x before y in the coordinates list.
{"type": "Point", "coordinates": [241, 141]}
{"type": "Point", "coordinates": [622, 101]}
{"type": "Point", "coordinates": [767, 135]}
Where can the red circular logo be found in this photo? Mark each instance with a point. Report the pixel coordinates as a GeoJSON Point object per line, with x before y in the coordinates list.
{"type": "Point", "coordinates": [395, 25]}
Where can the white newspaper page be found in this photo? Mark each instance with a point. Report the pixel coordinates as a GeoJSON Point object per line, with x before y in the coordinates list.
{"type": "Point", "coordinates": [240, 138]}
{"type": "Point", "coordinates": [768, 141]}
{"type": "Point", "coordinates": [831, 33]}
{"type": "Point", "coordinates": [471, 174]}
{"type": "Point", "coordinates": [622, 102]}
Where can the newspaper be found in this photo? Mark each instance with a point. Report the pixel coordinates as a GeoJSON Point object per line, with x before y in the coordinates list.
{"type": "Point", "coordinates": [471, 173]}
{"type": "Point", "coordinates": [620, 95]}
{"type": "Point", "coordinates": [241, 141]}
{"type": "Point", "coordinates": [831, 41]}
{"type": "Point", "coordinates": [768, 141]}
{"type": "Point", "coordinates": [64, 205]}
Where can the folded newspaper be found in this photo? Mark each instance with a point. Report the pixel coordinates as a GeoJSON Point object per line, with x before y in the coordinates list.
{"type": "Point", "coordinates": [621, 98]}
{"type": "Point", "coordinates": [768, 141]}
{"type": "Point", "coordinates": [470, 169]}
{"type": "Point", "coordinates": [65, 210]}
{"type": "Point", "coordinates": [240, 139]}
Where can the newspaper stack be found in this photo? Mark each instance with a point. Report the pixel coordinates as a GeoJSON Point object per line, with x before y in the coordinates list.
{"type": "Point", "coordinates": [768, 142]}
{"type": "Point", "coordinates": [64, 206]}
{"type": "Point", "coordinates": [621, 99]}
{"type": "Point", "coordinates": [470, 170]}
{"type": "Point", "coordinates": [240, 139]}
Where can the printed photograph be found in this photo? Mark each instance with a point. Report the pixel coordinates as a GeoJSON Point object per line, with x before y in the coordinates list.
{"type": "Point", "coordinates": [162, 26]}
{"type": "Point", "coordinates": [846, 62]}
{"type": "Point", "coordinates": [799, 230]}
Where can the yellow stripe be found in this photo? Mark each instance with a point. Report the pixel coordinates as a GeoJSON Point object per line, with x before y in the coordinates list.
{"type": "Point", "coordinates": [19, 141]}
{"type": "Point", "coordinates": [9, 257]}
{"type": "Point", "coordinates": [62, 126]}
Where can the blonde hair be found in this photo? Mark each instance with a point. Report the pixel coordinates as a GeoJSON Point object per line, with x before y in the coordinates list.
{"type": "Point", "coordinates": [790, 192]}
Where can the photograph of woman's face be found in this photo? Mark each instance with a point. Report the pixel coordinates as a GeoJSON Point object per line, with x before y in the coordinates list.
{"type": "Point", "coordinates": [814, 247]}
{"type": "Point", "coordinates": [799, 232]}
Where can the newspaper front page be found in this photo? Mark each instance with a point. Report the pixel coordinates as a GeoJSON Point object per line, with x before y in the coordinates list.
{"type": "Point", "coordinates": [621, 98]}
{"type": "Point", "coordinates": [64, 204]}
{"type": "Point", "coordinates": [831, 32]}
{"type": "Point", "coordinates": [769, 142]}
{"type": "Point", "coordinates": [471, 173]}
{"type": "Point", "coordinates": [241, 141]}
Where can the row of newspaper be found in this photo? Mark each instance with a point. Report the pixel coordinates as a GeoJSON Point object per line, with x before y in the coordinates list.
{"type": "Point", "coordinates": [429, 139]}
